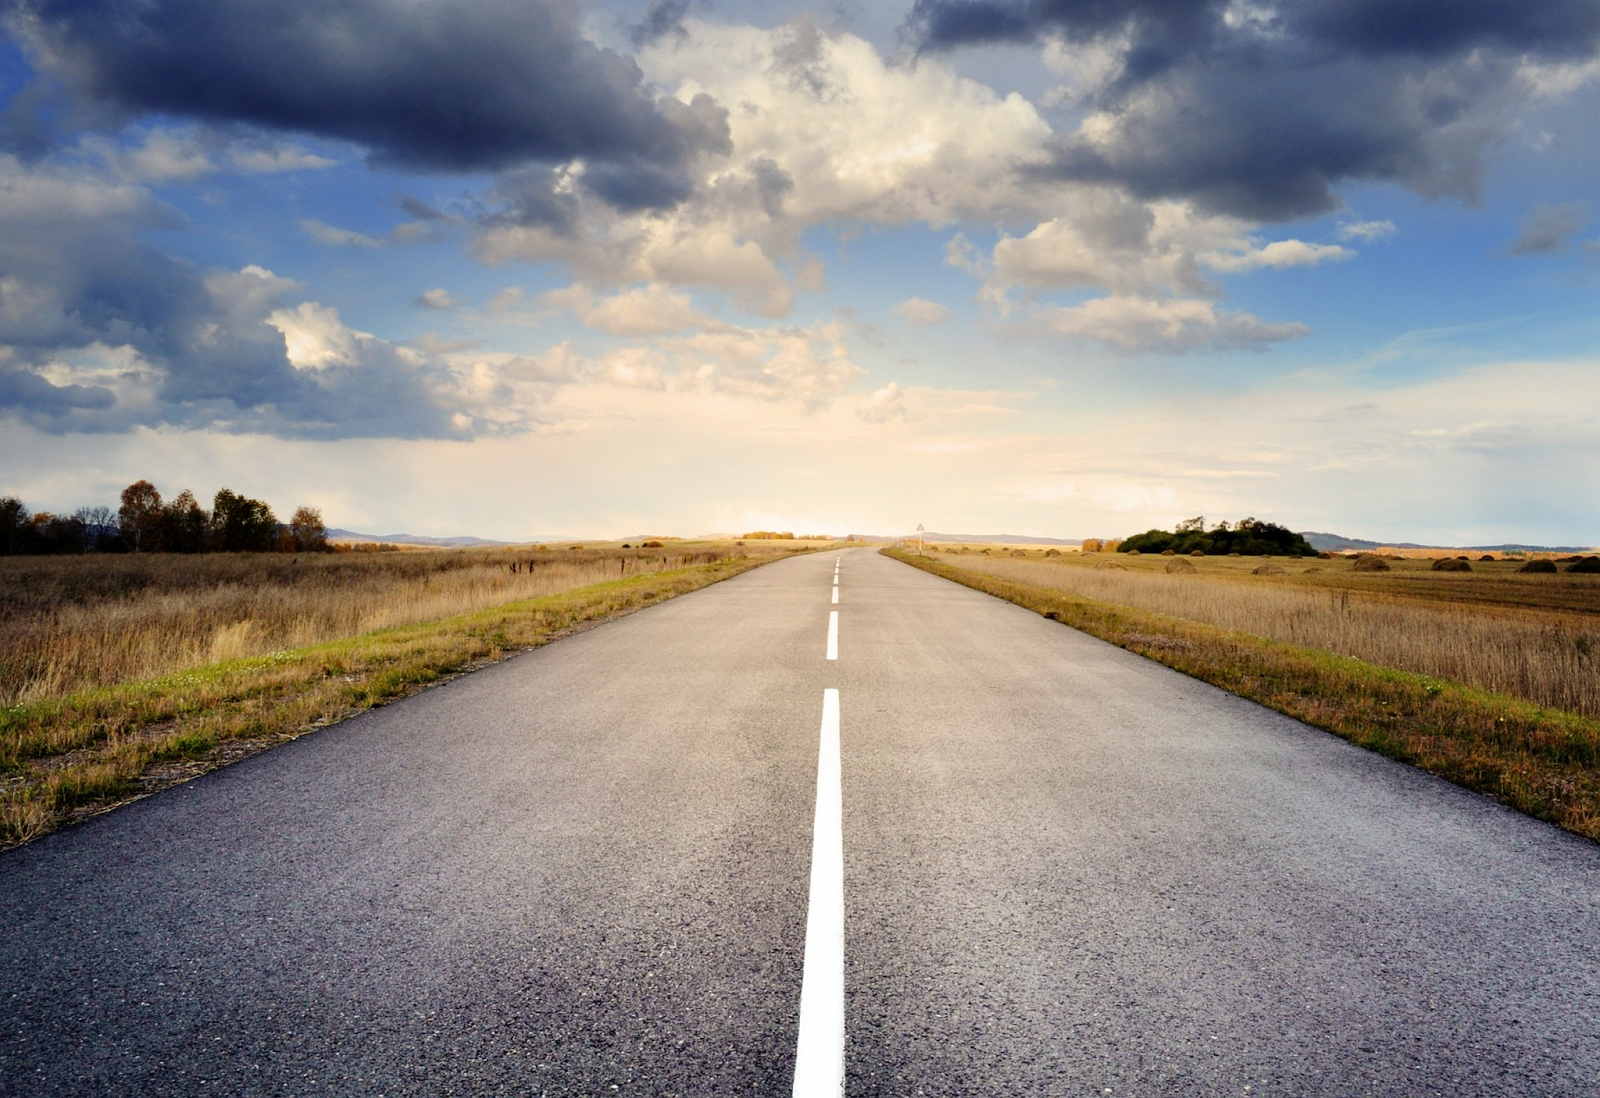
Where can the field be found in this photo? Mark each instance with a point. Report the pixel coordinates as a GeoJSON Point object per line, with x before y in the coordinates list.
{"type": "Point", "coordinates": [1535, 637]}
{"type": "Point", "coordinates": [1489, 678]}
{"type": "Point", "coordinates": [121, 674]}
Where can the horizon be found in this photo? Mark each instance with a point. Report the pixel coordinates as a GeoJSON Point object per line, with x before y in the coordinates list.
{"type": "Point", "coordinates": [1057, 270]}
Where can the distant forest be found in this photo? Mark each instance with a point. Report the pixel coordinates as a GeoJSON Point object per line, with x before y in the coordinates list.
{"type": "Point", "coordinates": [1247, 537]}
{"type": "Point", "coordinates": [144, 523]}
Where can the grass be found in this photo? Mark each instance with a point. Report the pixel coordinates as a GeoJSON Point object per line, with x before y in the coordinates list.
{"type": "Point", "coordinates": [108, 735]}
{"type": "Point", "coordinates": [1277, 640]}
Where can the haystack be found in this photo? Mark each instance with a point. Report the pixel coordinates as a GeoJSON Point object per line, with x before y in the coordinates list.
{"type": "Point", "coordinates": [1110, 566]}
{"type": "Point", "coordinates": [1179, 566]}
{"type": "Point", "coordinates": [1052, 552]}
{"type": "Point", "coordinates": [1197, 552]}
{"type": "Point", "coordinates": [1169, 552]}
{"type": "Point", "coordinates": [1451, 564]}
{"type": "Point", "coordinates": [1546, 567]}
{"type": "Point", "coordinates": [1371, 562]}
{"type": "Point", "coordinates": [1018, 553]}
{"type": "Point", "coordinates": [1270, 570]}
{"type": "Point", "coordinates": [1587, 566]}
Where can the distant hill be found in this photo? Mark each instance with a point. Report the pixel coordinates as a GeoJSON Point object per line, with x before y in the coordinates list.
{"type": "Point", "coordinates": [1336, 543]}
{"type": "Point", "coordinates": [413, 539]}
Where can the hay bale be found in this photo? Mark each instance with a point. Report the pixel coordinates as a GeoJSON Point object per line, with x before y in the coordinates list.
{"type": "Point", "coordinates": [1543, 567]}
{"type": "Point", "coordinates": [1325, 555]}
{"type": "Point", "coordinates": [1133, 552]}
{"type": "Point", "coordinates": [1371, 562]}
{"type": "Point", "coordinates": [1270, 570]}
{"type": "Point", "coordinates": [1052, 552]}
{"type": "Point", "coordinates": [1486, 556]}
{"type": "Point", "coordinates": [1197, 552]}
{"type": "Point", "coordinates": [1169, 552]}
{"type": "Point", "coordinates": [1110, 566]}
{"type": "Point", "coordinates": [1018, 553]}
{"type": "Point", "coordinates": [1587, 566]}
{"type": "Point", "coordinates": [1312, 569]}
{"type": "Point", "coordinates": [1179, 566]}
{"type": "Point", "coordinates": [1235, 554]}
{"type": "Point", "coordinates": [1451, 564]}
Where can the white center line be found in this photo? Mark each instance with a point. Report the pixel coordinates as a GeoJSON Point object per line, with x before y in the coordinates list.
{"type": "Point", "coordinates": [819, 1053]}
{"type": "Point", "coordinates": [833, 634]}
{"type": "Point", "coordinates": [836, 596]}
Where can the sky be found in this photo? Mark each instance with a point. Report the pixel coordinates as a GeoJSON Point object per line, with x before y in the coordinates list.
{"type": "Point", "coordinates": [1070, 268]}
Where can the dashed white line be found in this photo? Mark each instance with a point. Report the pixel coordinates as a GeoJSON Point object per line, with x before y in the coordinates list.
{"type": "Point", "coordinates": [836, 596]}
{"type": "Point", "coordinates": [833, 634]}
{"type": "Point", "coordinates": [819, 1053]}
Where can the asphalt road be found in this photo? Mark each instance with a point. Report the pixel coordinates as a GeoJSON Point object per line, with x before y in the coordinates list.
{"type": "Point", "coordinates": [587, 870]}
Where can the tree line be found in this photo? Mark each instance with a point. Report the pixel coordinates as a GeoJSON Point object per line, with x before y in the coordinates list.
{"type": "Point", "coordinates": [145, 523]}
{"type": "Point", "coordinates": [1248, 537]}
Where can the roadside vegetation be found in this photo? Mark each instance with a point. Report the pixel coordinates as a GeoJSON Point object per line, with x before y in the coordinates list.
{"type": "Point", "coordinates": [120, 674]}
{"type": "Point", "coordinates": [1488, 677]}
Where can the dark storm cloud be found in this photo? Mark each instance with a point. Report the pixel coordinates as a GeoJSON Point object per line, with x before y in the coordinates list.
{"type": "Point", "coordinates": [1262, 112]}
{"type": "Point", "coordinates": [484, 85]}
{"type": "Point", "coordinates": [661, 19]}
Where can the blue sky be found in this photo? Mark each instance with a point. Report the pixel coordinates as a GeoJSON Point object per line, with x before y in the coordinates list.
{"type": "Point", "coordinates": [1056, 267]}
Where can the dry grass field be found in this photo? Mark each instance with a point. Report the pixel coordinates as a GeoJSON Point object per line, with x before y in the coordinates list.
{"type": "Point", "coordinates": [1488, 678]}
{"type": "Point", "coordinates": [1535, 637]}
{"type": "Point", "coordinates": [77, 622]}
{"type": "Point", "coordinates": [123, 674]}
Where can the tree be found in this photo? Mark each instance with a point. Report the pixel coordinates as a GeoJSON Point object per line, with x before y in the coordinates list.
{"type": "Point", "coordinates": [99, 528]}
{"type": "Point", "coordinates": [186, 525]}
{"type": "Point", "coordinates": [141, 517]}
{"type": "Point", "coordinates": [14, 526]}
{"type": "Point", "coordinates": [240, 524]}
{"type": "Point", "coordinates": [308, 532]}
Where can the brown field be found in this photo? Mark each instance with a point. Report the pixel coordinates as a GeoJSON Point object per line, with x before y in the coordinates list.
{"type": "Point", "coordinates": [1535, 637]}
{"type": "Point", "coordinates": [74, 623]}
{"type": "Point", "coordinates": [125, 674]}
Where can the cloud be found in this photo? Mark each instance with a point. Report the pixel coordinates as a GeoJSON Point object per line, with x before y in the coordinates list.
{"type": "Point", "coordinates": [643, 311]}
{"type": "Point", "coordinates": [100, 332]}
{"type": "Point", "coordinates": [335, 237]}
{"type": "Point", "coordinates": [662, 19]}
{"type": "Point", "coordinates": [818, 134]}
{"type": "Point", "coordinates": [1366, 231]}
{"type": "Point", "coordinates": [1260, 111]}
{"type": "Point", "coordinates": [437, 298]}
{"type": "Point", "coordinates": [1167, 325]}
{"type": "Point", "coordinates": [457, 87]}
{"type": "Point", "coordinates": [885, 404]}
{"type": "Point", "coordinates": [1277, 255]}
{"type": "Point", "coordinates": [1548, 228]}
{"type": "Point", "coordinates": [916, 310]}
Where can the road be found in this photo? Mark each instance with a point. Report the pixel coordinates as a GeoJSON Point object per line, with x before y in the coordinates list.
{"type": "Point", "coordinates": [589, 870]}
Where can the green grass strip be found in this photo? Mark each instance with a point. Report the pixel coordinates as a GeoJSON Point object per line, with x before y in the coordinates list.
{"type": "Point", "coordinates": [1540, 761]}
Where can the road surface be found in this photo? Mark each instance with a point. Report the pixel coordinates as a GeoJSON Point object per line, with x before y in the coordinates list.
{"type": "Point", "coordinates": [1058, 869]}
